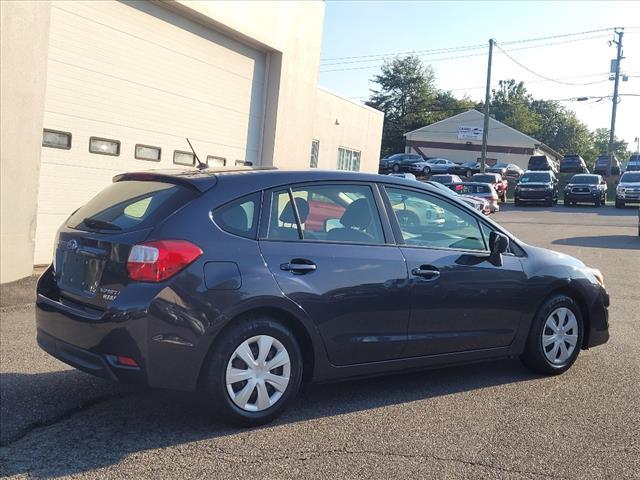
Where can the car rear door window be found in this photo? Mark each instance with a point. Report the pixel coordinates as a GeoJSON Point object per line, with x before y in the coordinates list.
{"type": "Point", "coordinates": [427, 221]}
{"type": "Point", "coordinates": [325, 213]}
{"type": "Point", "coordinates": [239, 217]}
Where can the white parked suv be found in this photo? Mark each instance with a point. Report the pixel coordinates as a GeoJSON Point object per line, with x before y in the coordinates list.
{"type": "Point", "coordinates": [628, 190]}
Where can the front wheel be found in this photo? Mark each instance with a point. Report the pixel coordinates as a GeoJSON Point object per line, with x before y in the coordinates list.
{"type": "Point", "coordinates": [619, 204]}
{"type": "Point", "coordinates": [426, 171]}
{"type": "Point", "coordinates": [468, 173]}
{"type": "Point", "coordinates": [598, 202]}
{"type": "Point", "coordinates": [555, 336]}
{"type": "Point", "coordinates": [253, 372]}
{"type": "Point", "coordinates": [395, 168]}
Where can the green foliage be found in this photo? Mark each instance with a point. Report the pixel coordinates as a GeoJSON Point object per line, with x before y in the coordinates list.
{"type": "Point", "coordinates": [408, 97]}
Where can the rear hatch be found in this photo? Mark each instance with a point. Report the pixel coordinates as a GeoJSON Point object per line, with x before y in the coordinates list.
{"type": "Point", "coordinates": [92, 247]}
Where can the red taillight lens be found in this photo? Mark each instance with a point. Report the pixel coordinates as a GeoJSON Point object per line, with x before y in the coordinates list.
{"type": "Point", "coordinates": [157, 261]}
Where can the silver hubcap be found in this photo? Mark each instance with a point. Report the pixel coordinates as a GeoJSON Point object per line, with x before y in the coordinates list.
{"type": "Point", "coordinates": [258, 373]}
{"type": "Point", "coordinates": [560, 335]}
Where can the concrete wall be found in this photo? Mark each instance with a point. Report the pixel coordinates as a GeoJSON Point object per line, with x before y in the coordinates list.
{"type": "Point", "coordinates": [24, 41]}
{"type": "Point", "coordinates": [339, 122]}
{"type": "Point", "coordinates": [292, 34]}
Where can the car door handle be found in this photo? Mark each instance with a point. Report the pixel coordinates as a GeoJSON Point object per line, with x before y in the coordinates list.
{"type": "Point", "coordinates": [427, 272]}
{"type": "Point", "coordinates": [299, 267]}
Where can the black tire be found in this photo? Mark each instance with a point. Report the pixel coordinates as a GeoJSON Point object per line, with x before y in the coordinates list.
{"type": "Point", "coordinates": [534, 355]}
{"type": "Point", "coordinates": [549, 203]}
{"type": "Point", "coordinates": [214, 378]}
{"type": "Point", "coordinates": [395, 168]}
{"type": "Point", "coordinates": [426, 170]}
{"type": "Point", "coordinates": [619, 204]}
{"type": "Point", "coordinates": [503, 197]}
{"type": "Point", "coordinates": [567, 203]}
{"type": "Point", "coordinates": [517, 202]}
{"type": "Point", "coordinates": [468, 173]}
{"type": "Point", "coordinates": [598, 202]}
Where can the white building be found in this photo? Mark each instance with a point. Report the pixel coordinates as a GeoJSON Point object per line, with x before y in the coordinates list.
{"type": "Point", "coordinates": [459, 138]}
{"type": "Point", "coordinates": [91, 89]}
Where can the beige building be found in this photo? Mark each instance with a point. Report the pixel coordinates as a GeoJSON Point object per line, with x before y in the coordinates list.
{"type": "Point", "coordinates": [92, 89]}
{"type": "Point", "coordinates": [459, 139]}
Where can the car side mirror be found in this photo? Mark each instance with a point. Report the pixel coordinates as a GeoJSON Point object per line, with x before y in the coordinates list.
{"type": "Point", "coordinates": [498, 244]}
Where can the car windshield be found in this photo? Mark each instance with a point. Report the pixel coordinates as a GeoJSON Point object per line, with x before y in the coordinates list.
{"type": "Point", "coordinates": [485, 178]}
{"type": "Point", "coordinates": [571, 160]}
{"type": "Point", "coordinates": [630, 177]}
{"type": "Point", "coordinates": [585, 179]}
{"type": "Point", "coordinates": [540, 177]}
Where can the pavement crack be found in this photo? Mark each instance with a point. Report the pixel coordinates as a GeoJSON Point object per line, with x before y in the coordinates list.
{"type": "Point", "coordinates": [30, 428]}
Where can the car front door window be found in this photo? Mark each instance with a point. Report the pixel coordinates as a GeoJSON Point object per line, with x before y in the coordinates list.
{"type": "Point", "coordinates": [427, 221]}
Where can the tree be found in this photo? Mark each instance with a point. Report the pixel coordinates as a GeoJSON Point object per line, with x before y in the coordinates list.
{"type": "Point", "coordinates": [560, 129]}
{"type": "Point", "coordinates": [601, 145]}
{"type": "Point", "coordinates": [511, 104]}
{"type": "Point", "coordinates": [406, 93]}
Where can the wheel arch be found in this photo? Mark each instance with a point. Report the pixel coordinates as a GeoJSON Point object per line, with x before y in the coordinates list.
{"type": "Point", "coordinates": [291, 321]}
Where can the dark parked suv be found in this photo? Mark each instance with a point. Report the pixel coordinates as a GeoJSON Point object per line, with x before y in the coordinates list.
{"type": "Point", "coordinates": [602, 164]}
{"type": "Point", "coordinates": [542, 162]}
{"type": "Point", "coordinates": [573, 164]}
{"type": "Point", "coordinates": [242, 285]}
{"type": "Point", "coordinates": [585, 188]}
{"type": "Point", "coordinates": [537, 187]}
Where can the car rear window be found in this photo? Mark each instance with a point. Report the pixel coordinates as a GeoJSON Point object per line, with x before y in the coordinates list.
{"type": "Point", "coordinates": [485, 178]}
{"type": "Point", "coordinates": [130, 205]}
{"type": "Point", "coordinates": [571, 160]}
{"type": "Point", "coordinates": [537, 161]}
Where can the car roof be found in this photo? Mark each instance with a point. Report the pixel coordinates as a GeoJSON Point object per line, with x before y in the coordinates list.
{"type": "Point", "coordinates": [260, 178]}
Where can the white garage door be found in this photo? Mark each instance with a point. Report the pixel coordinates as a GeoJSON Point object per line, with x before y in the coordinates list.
{"type": "Point", "coordinates": [140, 75]}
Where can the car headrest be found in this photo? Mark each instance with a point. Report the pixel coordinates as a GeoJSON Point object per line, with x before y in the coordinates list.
{"type": "Point", "coordinates": [288, 216]}
{"type": "Point", "coordinates": [357, 214]}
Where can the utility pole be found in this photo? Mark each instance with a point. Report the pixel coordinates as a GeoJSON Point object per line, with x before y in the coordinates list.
{"type": "Point", "coordinates": [612, 131]}
{"type": "Point", "coordinates": [487, 99]}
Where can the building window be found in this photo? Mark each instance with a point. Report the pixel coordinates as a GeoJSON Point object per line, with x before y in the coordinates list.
{"type": "Point", "coordinates": [56, 139]}
{"type": "Point", "coordinates": [315, 148]}
{"type": "Point", "coordinates": [184, 158]}
{"type": "Point", "coordinates": [147, 152]}
{"type": "Point", "coordinates": [216, 161]}
{"type": "Point", "coordinates": [104, 146]}
{"type": "Point", "coordinates": [348, 159]}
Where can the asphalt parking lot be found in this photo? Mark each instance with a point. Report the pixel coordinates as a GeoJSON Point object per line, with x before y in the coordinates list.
{"type": "Point", "coordinates": [490, 420]}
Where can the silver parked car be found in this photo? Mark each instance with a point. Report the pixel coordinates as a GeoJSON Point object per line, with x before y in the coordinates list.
{"type": "Point", "coordinates": [628, 190]}
{"type": "Point", "coordinates": [432, 165]}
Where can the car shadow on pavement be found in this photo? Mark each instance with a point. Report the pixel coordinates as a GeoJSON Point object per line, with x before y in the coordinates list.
{"type": "Point", "coordinates": [615, 242]}
{"type": "Point", "coordinates": [112, 427]}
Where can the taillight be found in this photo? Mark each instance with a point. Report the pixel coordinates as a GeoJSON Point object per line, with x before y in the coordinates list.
{"type": "Point", "coordinates": [159, 260]}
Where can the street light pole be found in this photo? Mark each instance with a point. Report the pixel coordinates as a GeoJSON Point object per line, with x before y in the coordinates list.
{"type": "Point", "coordinates": [612, 130]}
{"type": "Point", "coordinates": [487, 99]}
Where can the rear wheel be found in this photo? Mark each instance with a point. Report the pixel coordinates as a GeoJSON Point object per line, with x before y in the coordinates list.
{"type": "Point", "coordinates": [468, 173]}
{"type": "Point", "coordinates": [555, 336]}
{"type": "Point", "coordinates": [254, 371]}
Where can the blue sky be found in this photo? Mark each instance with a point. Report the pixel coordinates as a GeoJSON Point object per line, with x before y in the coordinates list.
{"type": "Point", "coordinates": [359, 28]}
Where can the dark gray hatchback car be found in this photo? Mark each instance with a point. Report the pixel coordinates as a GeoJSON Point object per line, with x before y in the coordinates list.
{"type": "Point", "coordinates": [242, 284]}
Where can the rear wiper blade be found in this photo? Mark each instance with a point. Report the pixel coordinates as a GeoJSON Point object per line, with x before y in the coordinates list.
{"type": "Point", "coordinates": [96, 223]}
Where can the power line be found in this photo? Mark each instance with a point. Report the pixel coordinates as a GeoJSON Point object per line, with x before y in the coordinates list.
{"type": "Point", "coordinates": [476, 46]}
{"type": "Point", "coordinates": [377, 65]}
{"type": "Point", "coordinates": [542, 76]}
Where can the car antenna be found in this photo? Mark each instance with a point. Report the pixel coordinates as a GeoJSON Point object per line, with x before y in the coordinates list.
{"type": "Point", "coordinates": [201, 166]}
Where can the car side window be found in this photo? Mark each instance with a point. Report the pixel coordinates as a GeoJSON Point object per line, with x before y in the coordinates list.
{"type": "Point", "coordinates": [326, 213]}
{"type": "Point", "coordinates": [427, 221]}
{"type": "Point", "coordinates": [239, 217]}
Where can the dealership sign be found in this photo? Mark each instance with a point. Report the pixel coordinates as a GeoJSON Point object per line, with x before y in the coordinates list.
{"type": "Point", "coordinates": [470, 133]}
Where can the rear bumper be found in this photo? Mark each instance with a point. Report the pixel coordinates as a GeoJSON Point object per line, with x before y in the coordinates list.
{"type": "Point", "coordinates": [168, 355]}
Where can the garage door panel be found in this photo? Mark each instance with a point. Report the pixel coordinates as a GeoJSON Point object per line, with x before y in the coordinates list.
{"type": "Point", "coordinates": [140, 74]}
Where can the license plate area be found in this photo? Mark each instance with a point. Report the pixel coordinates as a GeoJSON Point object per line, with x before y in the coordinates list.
{"type": "Point", "coordinates": [81, 273]}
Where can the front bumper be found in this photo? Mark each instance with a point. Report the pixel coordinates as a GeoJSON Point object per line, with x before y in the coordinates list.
{"type": "Point", "coordinates": [582, 197]}
{"type": "Point", "coordinates": [628, 197]}
{"type": "Point", "coordinates": [598, 333]}
{"type": "Point", "coordinates": [534, 195]}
